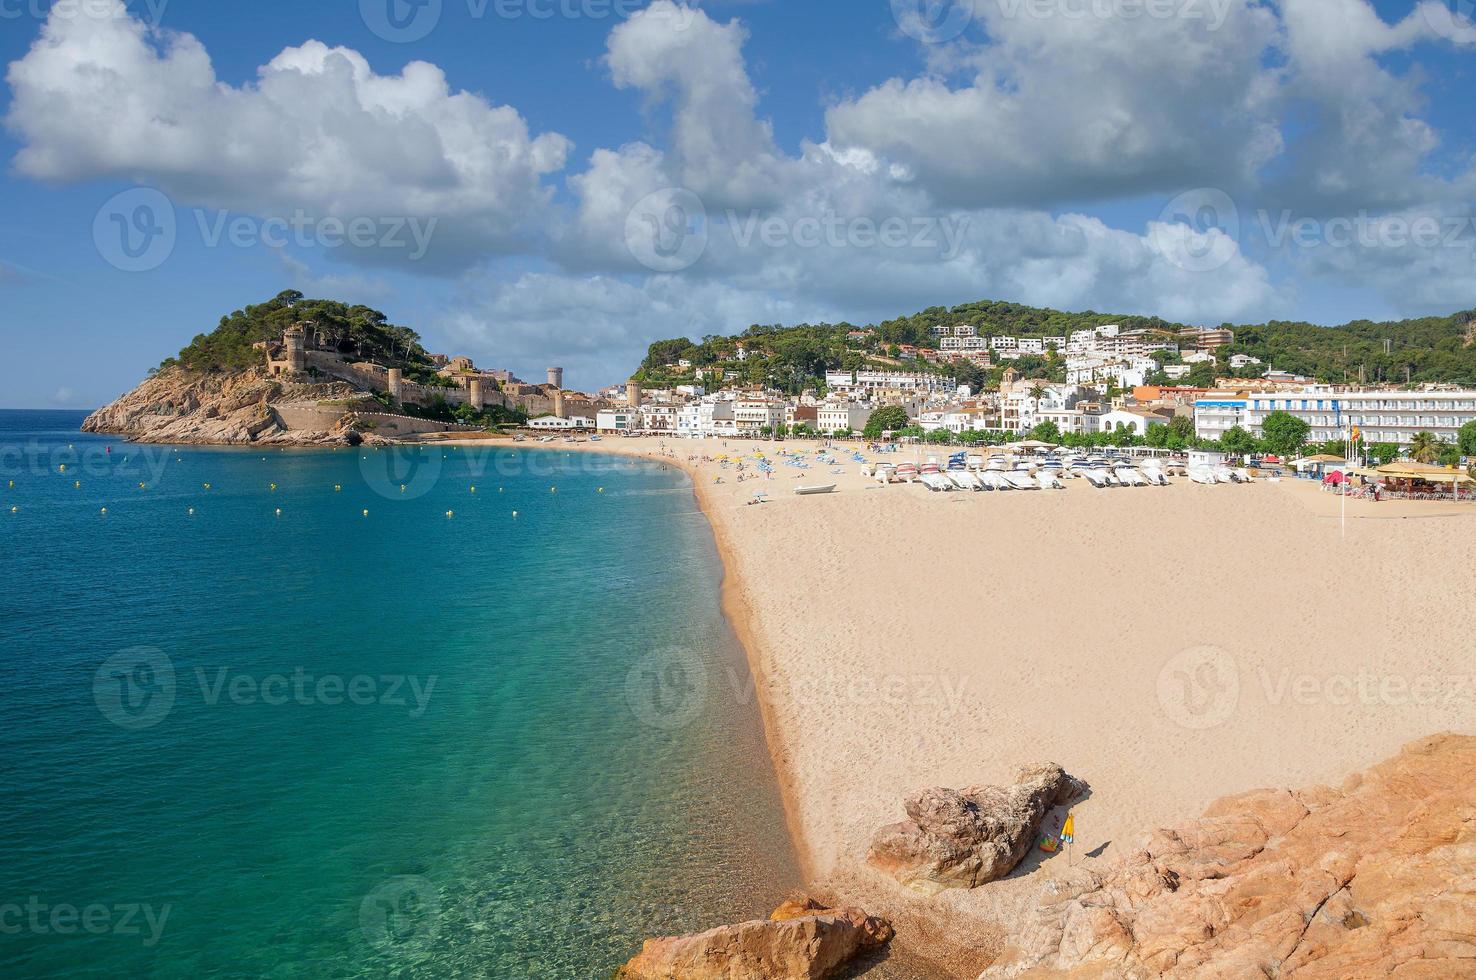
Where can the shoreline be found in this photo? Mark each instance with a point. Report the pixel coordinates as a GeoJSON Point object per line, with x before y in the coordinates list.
{"type": "Point", "coordinates": [801, 588]}
{"type": "Point", "coordinates": [737, 612]}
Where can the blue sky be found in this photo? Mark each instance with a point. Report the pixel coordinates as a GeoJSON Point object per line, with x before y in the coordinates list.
{"type": "Point", "coordinates": [615, 172]}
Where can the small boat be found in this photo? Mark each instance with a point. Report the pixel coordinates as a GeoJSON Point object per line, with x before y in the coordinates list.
{"type": "Point", "coordinates": [822, 488]}
{"type": "Point", "coordinates": [907, 472]}
{"type": "Point", "coordinates": [1096, 476]}
{"type": "Point", "coordinates": [931, 476]}
{"type": "Point", "coordinates": [964, 480]}
{"type": "Point", "coordinates": [1129, 476]}
{"type": "Point", "coordinates": [1049, 480]}
{"type": "Point", "coordinates": [1224, 474]}
{"type": "Point", "coordinates": [1020, 480]}
{"type": "Point", "coordinates": [884, 473]}
{"type": "Point", "coordinates": [1202, 474]}
{"type": "Point", "coordinates": [1242, 474]}
{"type": "Point", "coordinates": [1154, 475]}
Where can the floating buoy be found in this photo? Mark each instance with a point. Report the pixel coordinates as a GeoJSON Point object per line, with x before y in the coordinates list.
{"type": "Point", "coordinates": [553, 489]}
{"type": "Point", "coordinates": [338, 488]}
{"type": "Point", "coordinates": [12, 484]}
{"type": "Point", "coordinates": [206, 486]}
{"type": "Point", "coordinates": [142, 486]}
{"type": "Point", "coordinates": [274, 486]}
{"type": "Point", "coordinates": [515, 514]}
{"type": "Point", "coordinates": [402, 488]}
{"type": "Point", "coordinates": [499, 489]}
{"type": "Point", "coordinates": [600, 490]}
{"type": "Point", "coordinates": [279, 512]}
{"type": "Point", "coordinates": [63, 467]}
{"type": "Point", "coordinates": [366, 512]}
{"type": "Point", "coordinates": [450, 513]}
{"type": "Point", "coordinates": [15, 510]}
{"type": "Point", "coordinates": [474, 490]}
{"type": "Point", "coordinates": [192, 512]}
{"type": "Point", "coordinates": [104, 510]}
{"type": "Point", "coordinates": [77, 484]}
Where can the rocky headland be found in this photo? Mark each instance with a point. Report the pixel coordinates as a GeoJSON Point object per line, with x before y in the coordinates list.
{"type": "Point", "coordinates": [236, 408]}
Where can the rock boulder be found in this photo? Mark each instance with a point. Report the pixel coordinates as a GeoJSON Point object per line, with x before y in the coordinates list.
{"type": "Point", "coordinates": [965, 838]}
{"type": "Point", "coordinates": [802, 940]}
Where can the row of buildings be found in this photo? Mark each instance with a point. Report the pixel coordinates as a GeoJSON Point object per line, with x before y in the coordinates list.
{"type": "Point", "coordinates": [1381, 415]}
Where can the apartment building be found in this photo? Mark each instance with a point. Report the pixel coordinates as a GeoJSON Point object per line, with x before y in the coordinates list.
{"type": "Point", "coordinates": [1381, 416]}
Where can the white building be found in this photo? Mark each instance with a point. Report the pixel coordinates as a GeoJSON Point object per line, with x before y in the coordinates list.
{"type": "Point", "coordinates": [754, 413]}
{"type": "Point", "coordinates": [1125, 372]}
{"type": "Point", "coordinates": [1238, 361]}
{"type": "Point", "coordinates": [1213, 416]}
{"type": "Point", "coordinates": [1381, 416]}
{"type": "Point", "coordinates": [1134, 420]}
{"type": "Point", "coordinates": [618, 420]}
{"type": "Point", "coordinates": [837, 416]}
{"type": "Point", "coordinates": [554, 423]}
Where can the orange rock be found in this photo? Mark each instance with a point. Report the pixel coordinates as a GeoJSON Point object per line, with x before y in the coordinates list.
{"type": "Point", "coordinates": [801, 940]}
{"type": "Point", "coordinates": [1375, 878]}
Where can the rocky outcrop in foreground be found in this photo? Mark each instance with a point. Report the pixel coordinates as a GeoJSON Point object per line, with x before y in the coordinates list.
{"type": "Point", "coordinates": [802, 940]}
{"type": "Point", "coordinates": [1375, 878]}
{"type": "Point", "coordinates": [177, 406]}
{"type": "Point", "coordinates": [965, 838]}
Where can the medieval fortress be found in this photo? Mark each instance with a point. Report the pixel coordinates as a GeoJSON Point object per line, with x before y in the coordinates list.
{"type": "Point", "coordinates": [302, 350]}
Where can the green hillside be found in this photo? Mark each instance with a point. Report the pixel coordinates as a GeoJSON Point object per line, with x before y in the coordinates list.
{"type": "Point", "coordinates": [1436, 349]}
{"type": "Point", "coordinates": [358, 332]}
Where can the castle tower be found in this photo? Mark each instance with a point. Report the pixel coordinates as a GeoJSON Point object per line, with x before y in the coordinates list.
{"type": "Point", "coordinates": [556, 377]}
{"type": "Point", "coordinates": [475, 390]}
{"type": "Point", "coordinates": [396, 383]}
{"type": "Point", "coordinates": [293, 341]}
{"type": "Point", "coordinates": [633, 394]}
{"type": "Point", "coordinates": [558, 399]}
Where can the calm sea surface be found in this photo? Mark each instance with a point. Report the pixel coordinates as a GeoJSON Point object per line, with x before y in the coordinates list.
{"type": "Point", "coordinates": [238, 743]}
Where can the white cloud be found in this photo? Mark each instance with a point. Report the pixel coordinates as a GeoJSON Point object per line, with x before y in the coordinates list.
{"type": "Point", "coordinates": [1078, 108]}
{"type": "Point", "coordinates": [318, 130]}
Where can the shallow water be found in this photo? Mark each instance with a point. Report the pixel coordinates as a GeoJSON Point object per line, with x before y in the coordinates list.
{"type": "Point", "coordinates": [239, 743]}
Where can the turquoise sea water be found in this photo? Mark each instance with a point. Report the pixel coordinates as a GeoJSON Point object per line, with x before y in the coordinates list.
{"type": "Point", "coordinates": [242, 744]}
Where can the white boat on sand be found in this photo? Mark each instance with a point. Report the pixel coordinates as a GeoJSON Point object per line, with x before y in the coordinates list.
{"type": "Point", "coordinates": [822, 488]}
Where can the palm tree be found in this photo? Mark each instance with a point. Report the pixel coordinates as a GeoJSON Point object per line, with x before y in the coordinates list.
{"type": "Point", "coordinates": [1424, 447]}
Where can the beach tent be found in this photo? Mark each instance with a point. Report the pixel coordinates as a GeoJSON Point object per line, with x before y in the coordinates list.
{"type": "Point", "coordinates": [1335, 477]}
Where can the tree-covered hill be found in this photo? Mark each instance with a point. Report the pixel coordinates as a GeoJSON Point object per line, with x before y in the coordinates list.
{"type": "Point", "coordinates": [1438, 349]}
{"type": "Point", "coordinates": [358, 332]}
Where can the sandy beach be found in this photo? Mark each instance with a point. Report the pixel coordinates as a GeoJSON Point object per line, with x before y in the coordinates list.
{"type": "Point", "coordinates": [1169, 645]}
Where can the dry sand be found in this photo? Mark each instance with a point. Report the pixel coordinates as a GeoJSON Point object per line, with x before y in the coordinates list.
{"type": "Point", "coordinates": [1170, 645]}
